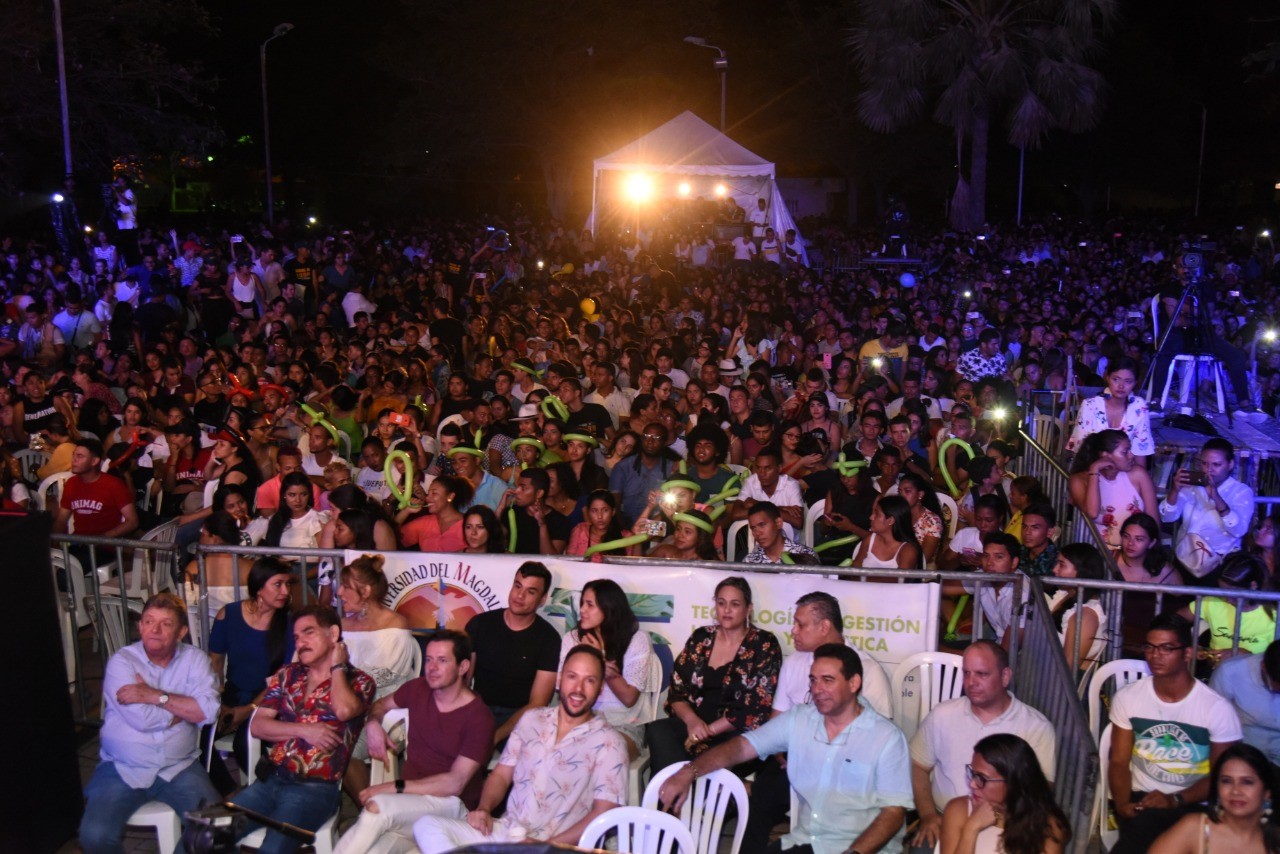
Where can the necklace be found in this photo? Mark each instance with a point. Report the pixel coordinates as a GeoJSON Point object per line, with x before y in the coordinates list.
{"type": "Point", "coordinates": [361, 615]}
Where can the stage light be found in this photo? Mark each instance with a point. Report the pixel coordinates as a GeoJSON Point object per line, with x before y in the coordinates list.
{"type": "Point", "coordinates": [58, 198]}
{"type": "Point", "coordinates": [721, 190]}
{"type": "Point", "coordinates": [1270, 336]}
{"type": "Point", "coordinates": [685, 188]}
{"type": "Point", "coordinates": [1266, 234]}
{"type": "Point", "coordinates": [639, 187]}
{"type": "Point", "coordinates": [968, 294]}
{"type": "Point", "coordinates": [311, 220]}
{"type": "Point", "coordinates": [88, 229]}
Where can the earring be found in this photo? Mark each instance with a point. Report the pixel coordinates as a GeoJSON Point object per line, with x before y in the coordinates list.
{"type": "Point", "coordinates": [1266, 810]}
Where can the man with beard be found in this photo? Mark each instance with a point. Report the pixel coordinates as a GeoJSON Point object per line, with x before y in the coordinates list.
{"type": "Point", "coordinates": [567, 766]}
{"type": "Point", "coordinates": [708, 448]}
{"type": "Point", "coordinates": [312, 714]}
{"type": "Point", "coordinates": [450, 739]}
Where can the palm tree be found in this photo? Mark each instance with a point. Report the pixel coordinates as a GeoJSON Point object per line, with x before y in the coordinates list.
{"type": "Point", "coordinates": [1025, 62]}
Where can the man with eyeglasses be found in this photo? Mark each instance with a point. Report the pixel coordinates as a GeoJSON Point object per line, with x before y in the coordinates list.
{"type": "Point", "coordinates": [1251, 683]}
{"type": "Point", "coordinates": [847, 764]}
{"type": "Point", "coordinates": [1166, 733]}
{"type": "Point", "coordinates": [633, 479]}
{"type": "Point", "coordinates": [943, 745]}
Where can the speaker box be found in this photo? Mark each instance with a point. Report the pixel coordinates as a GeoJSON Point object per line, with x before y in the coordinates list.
{"type": "Point", "coordinates": [43, 802]}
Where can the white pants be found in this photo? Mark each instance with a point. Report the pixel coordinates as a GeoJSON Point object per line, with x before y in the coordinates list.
{"type": "Point", "coordinates": [437, 834]}
{"type": "Point", "coordinates": [390, 830]}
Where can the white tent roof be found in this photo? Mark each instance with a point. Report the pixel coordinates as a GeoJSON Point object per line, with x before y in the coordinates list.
{"type": "Point", "coordinates": [686, 145]}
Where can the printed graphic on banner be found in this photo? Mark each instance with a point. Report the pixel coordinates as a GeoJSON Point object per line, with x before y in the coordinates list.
{"type": "Point", "coordinates": [889, 621]}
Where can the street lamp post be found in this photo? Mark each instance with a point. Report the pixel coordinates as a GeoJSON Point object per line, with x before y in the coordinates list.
{"type": "Point", "coordinates": [721, 64]}
{"type": "Point", "coordinates": [280, 30]}
{"type": "Point", "coordinates": [62, 88]}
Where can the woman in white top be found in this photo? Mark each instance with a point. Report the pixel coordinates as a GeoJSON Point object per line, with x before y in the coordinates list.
{"type": "Point", "coordinates": [378, 641]}
{"type": "Point", "coordinates": [223, 573]}
{"type": "Point", "coordinates": [1010, 808]}
{"type": "Point", "coordinates": [1082, 627]}
{"type": "Point", "coordinates": [606, 622]}
{"type": "Point", "coordinates": [1117, 409]}
{"type": "Point", "coordinates": [297, 524]}
{"type": "Point", "coordinates": [892, 544]}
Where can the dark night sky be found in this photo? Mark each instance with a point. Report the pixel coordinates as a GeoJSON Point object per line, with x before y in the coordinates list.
{"type": "Point", "coordinates": [1164, 61]}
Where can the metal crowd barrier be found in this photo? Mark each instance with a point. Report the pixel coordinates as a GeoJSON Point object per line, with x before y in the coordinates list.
{"type": "Point", "coordinates": [1044, 681]}
{"type": "Point", "coordinates": [84, 597]}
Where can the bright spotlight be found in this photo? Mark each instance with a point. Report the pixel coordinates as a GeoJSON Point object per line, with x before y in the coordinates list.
{"type": "Point", "coordinates": [685, 188]}
{"type": "Point", "coordinates": [1266, 233]}
{"type": "Point", "coordinates": [58, 197]}
{"type": "Point", "coordinates": [1270, 336]}
{"type": "Point", "coordinates": [311, 220]}
{"type": "Point", "coordinates": [721, 190]}
{"type": "Point", "coordinates": [541, 264]}
{"type": "Point", "coordinates": [88, 229]}
{"type": "Point", "coordinates": [968, 294]}
{"type": "Point", "coordinates": [639, 187]}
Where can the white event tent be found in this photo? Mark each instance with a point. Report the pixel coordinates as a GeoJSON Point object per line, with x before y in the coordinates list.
{"type": "Point", "coordinates": [687, 149]}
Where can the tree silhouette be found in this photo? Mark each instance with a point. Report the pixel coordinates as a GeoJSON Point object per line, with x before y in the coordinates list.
{"type": "Point", "coordinates": [1026, 63]}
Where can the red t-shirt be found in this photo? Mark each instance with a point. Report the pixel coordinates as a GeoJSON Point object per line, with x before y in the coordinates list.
{"type": "Point", "coordinates": [437, 738]}
{"type": "Point", "coordinates": [95, 507]}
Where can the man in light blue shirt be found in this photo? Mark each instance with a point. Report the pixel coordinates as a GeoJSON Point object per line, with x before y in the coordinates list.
{"type": "Point", "coordinates": [488, 490]}
{"type": "Point", "coordinates": [156, 695]}
{"type": "Point", "coordinates": [1252, 684]}
{"type": "Point", "coordinates": [849, 767]}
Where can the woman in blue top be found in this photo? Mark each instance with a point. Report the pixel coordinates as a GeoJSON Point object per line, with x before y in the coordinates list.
{"type": "Point", "coordinates": [253, 639]}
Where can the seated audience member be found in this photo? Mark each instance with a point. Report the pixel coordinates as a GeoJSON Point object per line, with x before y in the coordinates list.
{"type": "Point", "coordinates": [769, 486]}
{"type": "Point", "coordinates": [943, 745]}
{"type": "Point", "coordinates": [223, 572]}
{"type": "Point", "coordinates": [607, 623]}
{"type": "Point", "coordinates": [515, 651]}
{"type": "Point", "coordinates": [378, 642]}
{"type": "Point", "coordinates": [722, 684]}
{"type": "Point", "coordinates": [449, 741]}
{"type": "Point", "coordinates": [1009, 806]}
{"type": "Point", "coordinates": [1239, 571]}
{"type": "Point", "coordinates": [694, 538]}
{"type": "Point", "coordinates": [439, 528]}
{"type": "Point", "coordinates": [764, 520]}
{"type": "Point", "coordinates": [482, 532]}
{"type": "Point", "coordinates": [893, 543]}
{"type": "Point", "coordinates": [1251, 683]}
{"type": "Point", "coordinates": [926, 515]}
{"type": "Point", "coordinates": [1152, 787]}
{"type": "Point", "coordinates": [1108, 485]}
{"type": "Point", "coordinates": [311, 716]}
{"type": "Point", "coordinates": [1024, 491]}
{"type": "Point", "coordinates": [817, 622]}
{"type": "Point", "coordinates": [865, 811]}
{"type": "Point", "coordinates": [1039, 552]}
{"type": "Point", "coordinates": [602, 525]}
{"type": "Point", "coordinates": [1238, 817]}
{"type": "Point", "coordinates": [267, 499]}
{"type": "Point", "coordinates": [250, 640]}
{"type": "Point", "coordinates": [297, 523]}
{"type": "Point", "coordinates": [94, 503]}
{"type": "Point", "coordinates": [563, 766]}
{"type": "Point", "coordinates": [539, 529]}
{"type": "Point", "coordinates": [486, 489]}
{"type": "Point", "coordinates": [964, 550]}
{"type": "Point", "coordinates": [1141, 558]}
{"type": "Point", "coordinates": [1082, 627]}
{"type": "Point", "coordinates": [1212, 517]}
{"type": "Point", "coordinates": [156, 694]}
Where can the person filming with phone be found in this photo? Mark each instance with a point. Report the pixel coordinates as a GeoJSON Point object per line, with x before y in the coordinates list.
{"type": "Point", "coordinates": [1213, 508]}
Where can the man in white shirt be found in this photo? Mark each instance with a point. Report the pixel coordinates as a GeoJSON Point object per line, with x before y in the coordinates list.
{"type": "Point", "coordinates": [667, 367]}
{"type": "Point", "coordinates": [1217, 511]}
{"type": "Point", "coordinates": [744, 251]}
{"type": "Point", "coordinates": [770, 484]}
{"type": "Point", "coordinates": [269, 272]}
{"type": "Point", "coordinates": [79, 328]}
{"type": "Point", "coordinates": [759, 219]}
{"type": "Point", "coordinates": [356, 302]}
{"type": "Point", "coordinates": [943, 745]}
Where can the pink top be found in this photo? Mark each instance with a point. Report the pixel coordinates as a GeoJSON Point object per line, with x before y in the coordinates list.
{"type": "Point", "coordinates": [580, 540]}
{"type": "Point", "coordinates": [424, 532]}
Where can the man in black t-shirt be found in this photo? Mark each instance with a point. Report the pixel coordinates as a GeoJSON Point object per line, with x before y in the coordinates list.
{"type": "Point", "coordinates": [590, 418]}
{"type": "Point", "coordinates": [302, 272]}
{"type": "Point", "coordinates": [516, 652]}
{"type": "Point", "coordinates": [539, 529]}
{"type": "Point", "coordinates": [447, 330]}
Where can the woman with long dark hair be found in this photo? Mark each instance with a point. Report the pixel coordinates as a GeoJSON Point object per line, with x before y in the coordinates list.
{"type": "Point", "coordinates": [1238, 820]}
{"type": "Point", "coordinates": [693, 539]}
{"type": "Point", "coordinates": [297, 524]}
{"type": "Point", "coordinates": [602, 525]}
{"type": "Point", "coordinates": [252, 638]}
{"type": "Point", "coordinates": [1108, 485]}
{"type": "Point", "coordinates": [1141, 557]}
{"type": "Point", "coordinates": [606, 621]}
{"type": "Point", "coordinates": [483, 532]}
{"type": "Point", "coordinates": [223, 572]}
{"type": "Point", "coordinates": [1010, 806]}
{"type": "Point", "coordinates": [926, 515]}
{"type": "Point", "coordinates": [722, 684]}
{"type": "Point", "coordinates": [892, 544]}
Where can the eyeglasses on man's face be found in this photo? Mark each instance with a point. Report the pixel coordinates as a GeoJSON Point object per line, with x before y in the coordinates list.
{"type": "Point", "coordinates": [1162, 648]}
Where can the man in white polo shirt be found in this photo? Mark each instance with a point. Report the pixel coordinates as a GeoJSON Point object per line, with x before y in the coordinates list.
{"type": "Point", "coordinates": [943, 745]}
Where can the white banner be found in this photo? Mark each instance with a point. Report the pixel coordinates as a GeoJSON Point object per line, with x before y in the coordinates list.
{"type": "Point", "coordinates": [891, 621]}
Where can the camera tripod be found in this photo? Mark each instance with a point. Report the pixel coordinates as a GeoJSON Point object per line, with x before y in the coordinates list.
{"type": "Point", "coordinates": [1192, 340]}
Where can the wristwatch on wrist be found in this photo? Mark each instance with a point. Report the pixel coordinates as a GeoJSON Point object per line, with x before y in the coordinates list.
{"type": "Point", "coordinates": [162, 700]}
{"type": "Point", "coordinates": [400, 786]}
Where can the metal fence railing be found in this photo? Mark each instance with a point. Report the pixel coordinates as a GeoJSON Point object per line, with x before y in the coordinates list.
{"type": "Point", "coordinates": [1043, 680]}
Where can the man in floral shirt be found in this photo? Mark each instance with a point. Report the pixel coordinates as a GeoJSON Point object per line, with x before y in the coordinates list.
{"type": "Point", "coordinates": [984, 360]}
{"type": "Point", "coordinates": [312, 713]}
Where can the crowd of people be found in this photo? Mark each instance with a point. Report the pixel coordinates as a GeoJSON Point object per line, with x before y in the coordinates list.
{"type": "Point", "coordinates": [460, 387]}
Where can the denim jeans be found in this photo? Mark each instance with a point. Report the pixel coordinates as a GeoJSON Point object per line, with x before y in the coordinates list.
{"type": "Point", "coordinates": [304, 804]}
{"type": "Point", "coordinates": [110, 802]}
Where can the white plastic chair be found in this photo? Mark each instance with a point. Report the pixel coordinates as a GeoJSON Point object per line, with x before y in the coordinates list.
{"type": "Point", "coordinates": [1125, 671]}
{"type": "Point", "coordinates": [941, 678]}
{"type": "Point", "coordinates": [704, 810]}
{"type": "Point", "coordinates": [950, 513]}
{"type": "Point", "coordinates": [731, 540]}
{"type": "Point", "coordinates": [811, 517]}
{"type": "Point", "coordinates": [75, 616]}
{"type": "Point", "coordinates": [31, 461]}
{"type": "Point", "coordinates": [651, 711]}
{"type": "Point", "coordinates": [452, 419]}
{"type": "Point", "coordinates": [52, 483]}
{"type": "Point", "coordinates": [640, 831]}
{"type": "Point", "coordinates": [325, 836]}
{"type": "Point", "coordinates": [150, 571]}
{"type": "Point", "coordinates": [114, 631]}
{"type": "Point", "coordinates": [738, 469]}
{"type": "Point", "coordinates": [161, 818]}
{"type": "Point", "coordinates": [1106, 835]}
{"type": "Point", "coordinates": [1051, 433]}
